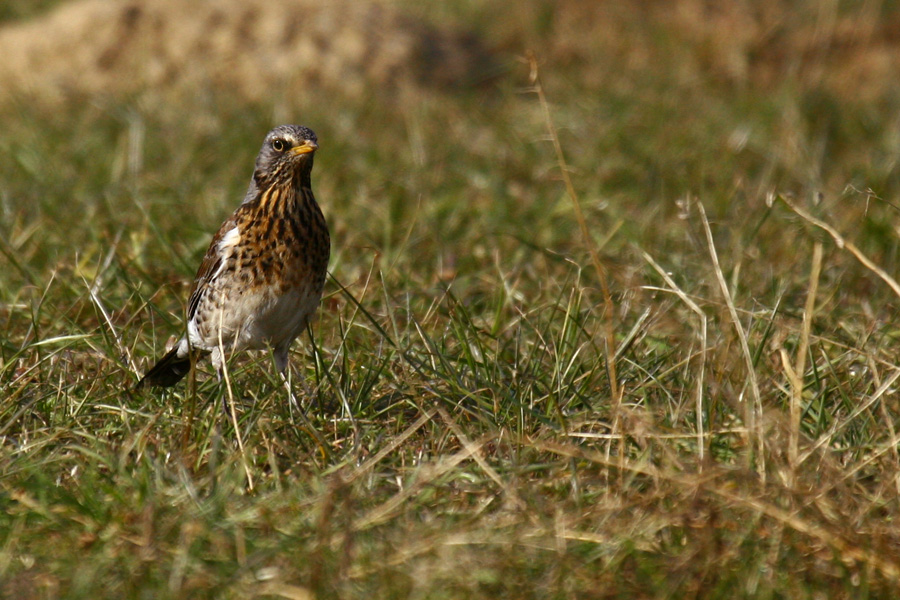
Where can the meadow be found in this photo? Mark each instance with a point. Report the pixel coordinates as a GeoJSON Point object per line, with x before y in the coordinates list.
{"type": "Point", "coordinates": [616, 317]}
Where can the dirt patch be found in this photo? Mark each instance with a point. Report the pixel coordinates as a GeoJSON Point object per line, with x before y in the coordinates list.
{"type": "Point", "coordinates": [250, 47]}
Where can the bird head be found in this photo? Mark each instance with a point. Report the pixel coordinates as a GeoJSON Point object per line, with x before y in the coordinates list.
{"type": "Point", "coordinates": [286, 154]}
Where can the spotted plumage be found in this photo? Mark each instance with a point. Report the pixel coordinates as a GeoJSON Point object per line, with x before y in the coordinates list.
{"type": "Point", "coordinates": [262, 277]}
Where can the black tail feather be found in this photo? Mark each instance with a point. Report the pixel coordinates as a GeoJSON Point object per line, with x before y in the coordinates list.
{"type": "Point", "coordinates": [168, 371]}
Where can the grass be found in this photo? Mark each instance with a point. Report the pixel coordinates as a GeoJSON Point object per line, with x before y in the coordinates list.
{"type": "Point", "coordinates": [461, 436]}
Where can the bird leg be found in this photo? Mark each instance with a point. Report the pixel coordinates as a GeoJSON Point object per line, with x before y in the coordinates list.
{"type": "Point", "coordinates": [306, 425]}
{"type": "Point", "coordinates": [286, 380]}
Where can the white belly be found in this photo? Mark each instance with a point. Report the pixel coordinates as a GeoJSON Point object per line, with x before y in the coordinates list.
{"type": "Point", "coordinates": [256, 320]}
{"type": "Point", "coordinates": [281, 320]}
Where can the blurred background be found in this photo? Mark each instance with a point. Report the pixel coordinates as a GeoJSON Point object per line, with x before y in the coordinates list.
{"type": "Point", "coordinates": [425, 109]}
{"type": "Point", "coordinates": [429, 130]}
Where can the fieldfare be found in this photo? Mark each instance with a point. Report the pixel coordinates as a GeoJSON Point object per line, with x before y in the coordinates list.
{"type": "Point", "coordinates": [262, 277]}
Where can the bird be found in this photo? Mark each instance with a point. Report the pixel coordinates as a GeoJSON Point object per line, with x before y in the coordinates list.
{"type": "Point", "coordinates": [262, 277]}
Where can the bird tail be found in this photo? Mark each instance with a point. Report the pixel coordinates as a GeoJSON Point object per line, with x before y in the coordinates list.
{"type": "Point", "coordinates": [170, 369]}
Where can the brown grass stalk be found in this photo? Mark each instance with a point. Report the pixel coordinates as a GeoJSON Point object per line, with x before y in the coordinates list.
{"type": "Point", "coordinates": [800, 368]}
{"type": "Point", "coordinates": [610, 349]}
{"type": "Point", "coordinates": [754, 411]}
{"type": "Point", "coordinates": [844, 244]}
{"type": "Point", "coordinates": [701, 442]}
{"type": "Point", "coordinates": [427, 474]}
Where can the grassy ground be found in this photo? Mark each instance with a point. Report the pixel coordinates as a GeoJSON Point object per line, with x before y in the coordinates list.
{"type": "Point", "coordinates": [479, 419]}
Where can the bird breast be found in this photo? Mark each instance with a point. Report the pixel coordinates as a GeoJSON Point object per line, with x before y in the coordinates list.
{"type": "Point", "coordinates": [262, 293]}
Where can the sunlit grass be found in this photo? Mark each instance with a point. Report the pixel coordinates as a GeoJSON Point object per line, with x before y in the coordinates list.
{"type": "Point", "coordinates": [458, 436]}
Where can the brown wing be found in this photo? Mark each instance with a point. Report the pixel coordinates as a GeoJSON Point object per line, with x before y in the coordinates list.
{"type": "Point", "coordinates": [209, 267]}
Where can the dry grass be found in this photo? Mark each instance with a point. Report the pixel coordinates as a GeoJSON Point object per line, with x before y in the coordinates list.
{"type": "Point", "coordinates": [480, 418]}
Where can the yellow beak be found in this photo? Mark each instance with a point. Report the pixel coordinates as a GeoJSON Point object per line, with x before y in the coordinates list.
{"type": "Point", "coordinates": [305, 148]}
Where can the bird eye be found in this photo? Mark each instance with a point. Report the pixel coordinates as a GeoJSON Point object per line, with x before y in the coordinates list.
{"type": "Point", "coordinates": [279, 145]}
